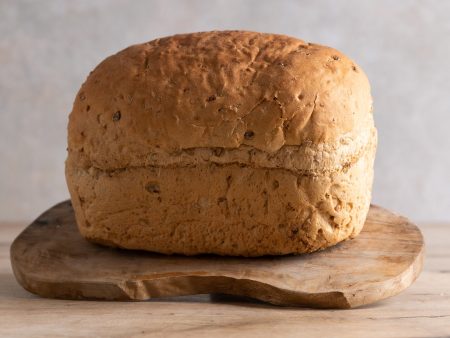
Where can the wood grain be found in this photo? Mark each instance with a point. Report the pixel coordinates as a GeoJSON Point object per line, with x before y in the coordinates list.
{"type": "Point", "coordinates": [423, 310]}
{"type": "Point", "coordinates": [52, 260]}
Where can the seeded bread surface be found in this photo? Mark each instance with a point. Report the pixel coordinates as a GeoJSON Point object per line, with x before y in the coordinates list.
{"type": "Point", "coordinates": [235, 143]}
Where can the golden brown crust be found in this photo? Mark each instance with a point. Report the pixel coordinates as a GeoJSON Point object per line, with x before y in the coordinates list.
{"type": "Point", "coordinates": [217, 89]}
{"type": "Point", "coordinates": [235, 143]}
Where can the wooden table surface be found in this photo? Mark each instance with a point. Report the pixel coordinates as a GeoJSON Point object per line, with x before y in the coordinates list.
{"type": "Point", "coordinates": [423, 310]}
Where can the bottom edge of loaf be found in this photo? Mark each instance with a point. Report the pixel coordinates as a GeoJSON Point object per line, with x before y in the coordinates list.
{"type": "Point", "coordinates": [215, 251]}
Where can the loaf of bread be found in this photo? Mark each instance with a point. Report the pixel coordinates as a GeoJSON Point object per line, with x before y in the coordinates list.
{"type": "Point", "coordinates": [232, 143]}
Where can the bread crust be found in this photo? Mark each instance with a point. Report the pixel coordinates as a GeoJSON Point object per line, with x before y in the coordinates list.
{"type": "Point", "coordinates": [158, 128]}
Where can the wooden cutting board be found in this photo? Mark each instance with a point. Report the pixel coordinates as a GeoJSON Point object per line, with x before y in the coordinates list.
{"type": "Point", "coordinates": [51, 259]}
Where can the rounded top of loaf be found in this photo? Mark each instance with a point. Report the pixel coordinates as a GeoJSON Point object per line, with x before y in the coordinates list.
{"type": "Point", "coordinates": [219, 89]}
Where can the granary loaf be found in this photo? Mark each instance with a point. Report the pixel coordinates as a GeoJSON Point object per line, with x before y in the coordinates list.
{"type": "Point", "coordinates": [233, 143]}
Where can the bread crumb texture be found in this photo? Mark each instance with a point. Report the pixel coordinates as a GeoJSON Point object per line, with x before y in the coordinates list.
{"type": "Point", "coordinates": [234, 143]}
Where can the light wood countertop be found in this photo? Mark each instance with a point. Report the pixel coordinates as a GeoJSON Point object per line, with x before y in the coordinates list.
{"type": "Point", "coordinates": [423, 310]}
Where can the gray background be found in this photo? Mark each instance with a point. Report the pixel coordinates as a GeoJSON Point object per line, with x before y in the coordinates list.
{"type": "Point", "coordinates": [48, 47]}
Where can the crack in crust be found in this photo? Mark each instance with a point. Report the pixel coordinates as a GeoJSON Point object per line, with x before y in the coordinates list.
{"type": "Point", "coordinates": [306, 160]}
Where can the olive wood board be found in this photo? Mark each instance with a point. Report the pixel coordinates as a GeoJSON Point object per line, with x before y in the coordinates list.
{"type": "Point", "coordinates": [51, 259]}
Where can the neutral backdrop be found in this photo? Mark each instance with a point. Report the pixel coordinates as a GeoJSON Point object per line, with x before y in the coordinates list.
{"type": "Point", "coordinates": [47, 48]}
